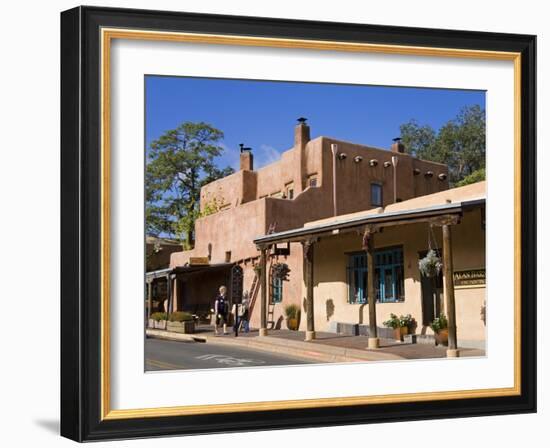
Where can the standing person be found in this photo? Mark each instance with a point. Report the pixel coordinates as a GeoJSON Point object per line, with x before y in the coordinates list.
{"type": "Point", "coordinates": [221, 310]}
{"type": "Point", "coordinates": [245, 304]}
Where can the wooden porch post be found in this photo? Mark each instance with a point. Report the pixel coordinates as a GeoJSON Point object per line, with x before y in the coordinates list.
{"type": "Point", "coordinates": [452, 350]}
{"type": "Point", "coordinates": [170, 306]}
{"type": "Point", "coordinates": [263, 287]}
{"type": "Point", "coordinates": [368, 246]}
{"type": "Point", "coordinates": [308, 273]}
{"type": "Point", "coordinates": [149, 300]}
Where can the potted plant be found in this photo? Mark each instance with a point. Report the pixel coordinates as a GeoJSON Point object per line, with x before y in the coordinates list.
{"type": "Point", "coordinates": [281, 271]}
{"type": "Point", "coordinates": [292, 313]}
{"type": "Point", "coordinates": [181, 322]}
{"type": "Point", "coordinates": [395, 323]}
{"type": "Point", "coordinates": [431, 264]}
{"type": "Point", "coordinates": [158, 320]}
{"type": "Point", "coordinates": [408, 324]}
{"type": "Point", "coordinates": [440, 328]}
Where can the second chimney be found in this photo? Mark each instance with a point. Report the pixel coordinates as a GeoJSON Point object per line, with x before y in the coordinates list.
{"type": "Point", "coordinates": [247, 159]}
{"type": "Point", "coordinates": [397, 145]}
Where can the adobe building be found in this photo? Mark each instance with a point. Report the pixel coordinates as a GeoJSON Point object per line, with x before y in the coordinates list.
{"type": "Point", "coordinates": [255, 219]}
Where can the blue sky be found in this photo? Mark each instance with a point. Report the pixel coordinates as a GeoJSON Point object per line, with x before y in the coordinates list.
{"type": "Point", "coordinates": [262, 114]}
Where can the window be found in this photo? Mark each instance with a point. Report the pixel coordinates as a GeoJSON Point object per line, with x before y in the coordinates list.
{"type": "Point", "coordinates": [376, 195]}
{"type": "Point", "coordinates": [276, 290]}
{"type": "Point", "coordinates": [312, 180]}
{"type": "Point", "coordinates": [289, 188]}
{"type": "Point", "coordinates": [388, 276]}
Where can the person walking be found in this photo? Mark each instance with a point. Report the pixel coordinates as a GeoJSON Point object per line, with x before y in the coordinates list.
{"type": "Point", "coordinates": [245, 319]}
{"type": "Point", "coordinates": [221, 310]}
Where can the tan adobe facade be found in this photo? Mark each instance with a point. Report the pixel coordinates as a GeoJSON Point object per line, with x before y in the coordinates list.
{"type": "Point", "coordinates": [342, 242]}
{"type": "Point", "coordinates": [314, 180]}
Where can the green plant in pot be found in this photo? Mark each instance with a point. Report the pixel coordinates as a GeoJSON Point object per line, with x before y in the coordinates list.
{"type": "Point", "coordinates": [395, 323]}
{"type": "Point", "coordinates": [440, 327]}
{"type": "Point", "coordinates": [408, 324]}
{"type": "Point", "coordinates": [292, 313]}
{"type": "Point", "coordinates": [158, 316]}
{"type": "Point", "coordinates": [181, 322]}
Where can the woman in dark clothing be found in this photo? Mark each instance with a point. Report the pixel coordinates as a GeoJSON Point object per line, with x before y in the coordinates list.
{"type": "Point", "coordinates": [221, 310]}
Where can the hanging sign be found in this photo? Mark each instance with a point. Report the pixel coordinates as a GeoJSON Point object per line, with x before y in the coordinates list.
{"type": "Point", "coordinates": [471, 277]}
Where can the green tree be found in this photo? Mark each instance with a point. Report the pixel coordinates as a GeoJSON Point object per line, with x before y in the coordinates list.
{"type": "Point", "coordinates": [460, 143]}
{"type": "Point", "coordinates": [178, 164]}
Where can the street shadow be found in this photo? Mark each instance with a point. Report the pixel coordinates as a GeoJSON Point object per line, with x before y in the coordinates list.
{"type": "Point", "coordinates": [51, 426]}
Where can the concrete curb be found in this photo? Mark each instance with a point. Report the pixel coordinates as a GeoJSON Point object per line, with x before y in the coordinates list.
{"type": "Point", "coordinates": [299, 349]}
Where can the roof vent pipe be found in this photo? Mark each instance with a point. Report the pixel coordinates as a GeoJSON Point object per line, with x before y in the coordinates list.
{"type": "Point", "coordinates": [334, 149]}
{"type": "Point", "coordinates": [394, 161]}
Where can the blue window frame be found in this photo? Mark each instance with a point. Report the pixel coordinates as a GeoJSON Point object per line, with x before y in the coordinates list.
{"type": "Point", "coordinates": [276, 290]}
{"type": "Point", "coordinates": [388, 276]}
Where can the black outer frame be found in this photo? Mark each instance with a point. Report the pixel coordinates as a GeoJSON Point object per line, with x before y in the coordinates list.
{"type": "Point", "coordinates": [80, 223]}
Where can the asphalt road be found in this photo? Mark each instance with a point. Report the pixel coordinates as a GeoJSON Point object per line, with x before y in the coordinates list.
{"type": "Point", "coordinates": [175, 355]}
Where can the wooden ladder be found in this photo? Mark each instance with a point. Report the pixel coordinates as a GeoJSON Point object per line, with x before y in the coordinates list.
{"type": "Point", "coordinates": [253, 294]}
{"type": "Point", "coordinates": [255, 289]}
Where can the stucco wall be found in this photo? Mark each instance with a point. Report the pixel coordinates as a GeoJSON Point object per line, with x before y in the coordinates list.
{"type": "Point", "coordinates": [229, 230]}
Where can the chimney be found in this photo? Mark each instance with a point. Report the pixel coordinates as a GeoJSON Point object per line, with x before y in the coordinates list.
{"type": "Point", "coordinates": [397, 145]}
{"type": "Point", "coordinates": [247, 159]}
{"type": "Point", "coordinates": [301, 138]}
{"type": "Point", "coordinates": [301, 133]}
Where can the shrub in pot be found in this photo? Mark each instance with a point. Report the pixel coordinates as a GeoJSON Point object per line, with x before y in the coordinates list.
{"type": "Point", "coordinates": [292, 313]}
{"type": "Point", "coordinates": [408, 324]}
{"type": "Point", "coordinates": [440, 327]}
{"type": "Point", "coordinates": [181, 322]}
{"type": "Point", "coordinates": [159, 320]}
{"type": "Point", "coordinates": [395, 323]}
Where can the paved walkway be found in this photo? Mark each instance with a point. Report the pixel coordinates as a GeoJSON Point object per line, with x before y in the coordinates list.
{"type": "Point", "coordinates": [327, 347]}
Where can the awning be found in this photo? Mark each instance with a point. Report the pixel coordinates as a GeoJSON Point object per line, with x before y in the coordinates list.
{"type": "Point", "coordinates": [187, 269]}
{"type": "Point", "coordinates": [389, 218]}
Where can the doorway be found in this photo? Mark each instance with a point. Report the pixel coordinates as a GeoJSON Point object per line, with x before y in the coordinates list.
{"type": "Point", "coordinates": [432, 293]}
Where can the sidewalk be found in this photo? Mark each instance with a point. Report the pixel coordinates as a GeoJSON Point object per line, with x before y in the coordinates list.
{"type": "Point", "coordinates": [328, 347]}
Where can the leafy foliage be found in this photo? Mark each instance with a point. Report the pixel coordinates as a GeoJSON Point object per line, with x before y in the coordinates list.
{"type": "Point", "coordinates": [407, 321]}
{"type": "Point", "coordinates": [430, 265]}
{"type": "Point", "coordinates": [179, 163]}
{"type": "Point", "coordinates": [281, 271]}
{"type": "Point", "coordinates": [476, 176]}
{"type": "Point", "coordinates": [292, 311]}
{"type": "Point", "coordinates": [180, 316]}
{"type": "Point", "coordinates": [460, 143]}
{"type": "Point", "coordinates": [439, 323]}
{"type": "Point", "coordinates": [393, 322]}
{"type": "Point", "coordinates": [158, 316]}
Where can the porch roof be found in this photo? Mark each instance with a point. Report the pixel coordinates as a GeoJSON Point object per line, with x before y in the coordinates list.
{"type": "Point", "coordinates": [449, 202]}
{"type": "Point", "coordinates": [186, 269]}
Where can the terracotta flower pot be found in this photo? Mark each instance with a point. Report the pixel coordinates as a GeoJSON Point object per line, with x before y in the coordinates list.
{"type": "Point", "coordinates": [397, 334]}
{"type": "Point", "coordinates": [292, 323]}
{"type": "Point", "coordinates": [404, 331]}
{"type": "Point", "coordinates": [442, 337]}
